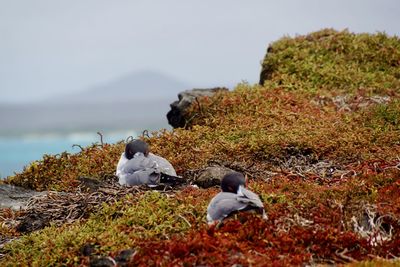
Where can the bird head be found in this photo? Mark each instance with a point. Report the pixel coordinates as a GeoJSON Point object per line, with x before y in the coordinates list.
{"type": "Point", "coordinates": [136, 146]}
{"type": "Point", "coordinates": [232, 181]}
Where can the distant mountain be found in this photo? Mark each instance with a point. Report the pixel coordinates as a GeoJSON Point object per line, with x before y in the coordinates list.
{"type": "Point", "coordinates": [138, 101]}
{"type": "Point", "coordinates": [143, 85]}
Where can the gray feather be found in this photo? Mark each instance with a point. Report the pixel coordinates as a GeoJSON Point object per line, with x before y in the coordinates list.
{"type": "Point", "coordinates": [139, 162]}
{"type": "Point", "coordinates": [250, 198]}
{"type": "Point", "coordinates": [146, 170]}
{"type": "Point", "coordinates": [225, 203]}
{"type": "Point", "coordinates": [163, 165]}
{"type": "Point", "coordinates": [148, 176]}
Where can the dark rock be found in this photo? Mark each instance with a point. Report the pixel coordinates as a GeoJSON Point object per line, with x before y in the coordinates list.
{"type": "Point", "coordinates": [100, 261]}
{"type": "Point", "coordinates": [124, 257]}
{"type": "Point", "coordinates": [211, 176]}
{"type": "Point", "coordinates": [177, 116]}
{"type": "Point", "coordinates": [33, 222]}
{"type": "Point", "coordinates": [87, 249]}
{"type": "Point", "coordinates": [15, 197]}
{"type": "Point", "coordinates": [267, 69]}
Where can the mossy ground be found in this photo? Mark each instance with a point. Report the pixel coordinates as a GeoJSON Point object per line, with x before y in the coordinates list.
{"type": "Point", "coordinates": [319, 140]}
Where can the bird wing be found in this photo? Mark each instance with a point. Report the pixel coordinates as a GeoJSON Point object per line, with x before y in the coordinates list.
{"type": "Point", "coordinates": [222, 206]}
{"type": "Point", "coordinates": [249, 197]}
{"type": "Point", "coordinates": [139, 163]}
{"type": "Point", "coordinates": [147, 176]}
{"type": "Point", "coordinates": [164, 165]}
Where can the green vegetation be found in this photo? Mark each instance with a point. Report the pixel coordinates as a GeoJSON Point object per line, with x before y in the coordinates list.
{"type": "Point", "coordinates": [319, 140]}
{"type": "Point", "coordinates": [340, 62]}
{"type": "Point", "coordinates": [60, 172]}
{"type": "Point", "coordinates": [114, 227]}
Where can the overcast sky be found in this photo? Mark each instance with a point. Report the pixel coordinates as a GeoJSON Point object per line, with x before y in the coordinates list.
{"type": "Point", "coordinates": [48, 47]}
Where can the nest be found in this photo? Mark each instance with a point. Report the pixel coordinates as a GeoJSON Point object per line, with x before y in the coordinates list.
{"type": "Point", "coordinates": [59, 208]}
{"type": "Point", "coordinates": [306, 167]}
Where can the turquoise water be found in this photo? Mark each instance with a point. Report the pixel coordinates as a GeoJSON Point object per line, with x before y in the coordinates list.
{"type": "Point", "coordinates": [17, 152]}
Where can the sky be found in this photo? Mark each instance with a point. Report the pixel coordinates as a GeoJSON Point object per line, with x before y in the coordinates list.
{"type": "Point", "coordinates": [49, 47]}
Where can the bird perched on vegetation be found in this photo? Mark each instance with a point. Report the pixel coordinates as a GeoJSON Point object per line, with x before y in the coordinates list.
{"type": "Point", "coordinates": [138, 165]}
{"type": "Point", "coordinates": [233, 198]}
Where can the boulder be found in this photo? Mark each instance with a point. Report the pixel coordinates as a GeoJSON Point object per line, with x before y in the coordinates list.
{"type": "Point", "coordinates": [211, 176]}
{"type": "Point", "coordinates": [178, 115]}
{"type": "Point", "coordinates": [267, 68]}
{"type": "Point", "coordinates": [33, 222]}
{"type": "Point", "coordinates": [15, 197]}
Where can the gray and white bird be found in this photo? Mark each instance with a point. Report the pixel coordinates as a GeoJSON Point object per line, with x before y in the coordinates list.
{"type": "Point", "coordinates": [138, 166]}
{"type": "Point", "coordinates": [233, 198]}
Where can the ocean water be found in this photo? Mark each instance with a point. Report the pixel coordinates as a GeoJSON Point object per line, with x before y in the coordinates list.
{"type": "Point", "coordinates": [17, 152]}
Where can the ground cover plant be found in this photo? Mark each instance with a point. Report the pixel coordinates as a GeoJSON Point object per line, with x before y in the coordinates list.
{"type": "Point", "coordinates": [319, 139]}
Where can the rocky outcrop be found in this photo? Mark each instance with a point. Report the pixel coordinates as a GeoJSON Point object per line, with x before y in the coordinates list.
{"type": "Point", "coordinates": [15, 197]}
{"type": "Point", "coordinates": [178, 116]}
{"type": "Point", "coordinates": [267, 68]}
